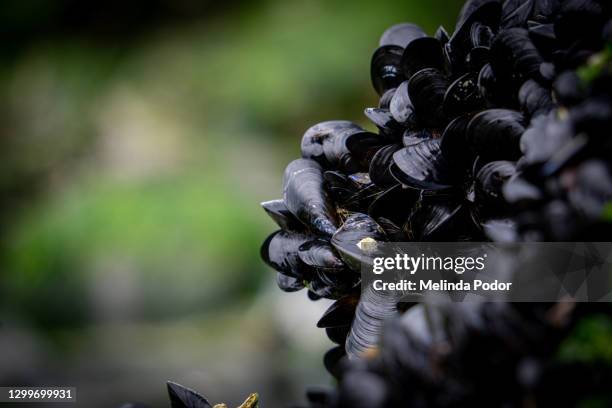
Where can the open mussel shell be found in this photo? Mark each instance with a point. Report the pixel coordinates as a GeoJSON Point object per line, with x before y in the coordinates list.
{"type": "Point", "coordinates": [400, 107]}
{"type": "Point", "coordinates": [317, 136]}
{"type": "Point", "coordinates": [385, 68]}
{"type": "Point", "coordinates": [426, 90]}
{"type": "Point", "coordinates": [392, 204]}
{"type": "Point", "coordinates": [514, 57]}
{"type": "Point", "coordinates": [425, 52]}
{"type": "Point", "coordinates": [374, 309]}
{"type": "Point", "coordinates": [463, 96]}
{"type": "Point", "coordinates": [401, 34]}
{"type": "Point", "coordinates": [357, 239]}
{"type": "Point", "coordinates": [306, 198]}
{"type": "Point", "coordinates": [340, 313]}
{"type": "Point", "coordinates": [281, 251]}
{"type": "Point", "coordinates": [319, 254]}
{"type": "Point", "coordinates": [422, 166]}
{"type": "Point", "coordinates": [288, 283]}
{"type": "Point", "coordinates": [495, 134]}
{"type": "Point", "coordinates": [534, 98]}
{"type": "Point", "coordinates": [515, 13]}
{"type": "Point", "coordinates": [490, 180]}
{"type": "Point", "coordinates": [380, 163]}
{"type": "Point", "coordinates": [278, 211]}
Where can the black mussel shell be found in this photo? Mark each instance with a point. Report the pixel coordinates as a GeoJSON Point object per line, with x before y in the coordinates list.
{"type": "Point", "coordinates": [463, 96]}
{"type": "Point", "coordinates": [317, 136]}
{"type": "Point", "coordinates": [412, 137]}
{"type": "Point", "coordinates": [453, 143]}
{"type": "Point", "coordinates": [515, 13]}
{"type": "Point", "coordinates": [306, 198]}
{"type": "Point", "coordinates": [392, 204]}
{"type": "Point", "coordinates": [338, 334]}
{"type": "Point", "coordinates": [332, 360]}
{"type": "Point", "coordinates": [514, 57]}
{"type": "Point", "coordinates": [361, 147]}
{"type": "Point", "coordinates": [579, 20]}
{"type": "Point", "coordinates": [385, 99]}
{"type": "Point", "coordinates": [393, 231]}
{"type": "Point", "coordinates": [544, 10]}
{"type": "Point", "coordinates": [374, 308]}
{"type": "Point", "coordinates": [383, 119]}
{"type": "Point", "coordinates": [425, 52]}
{"type": "Point", "coordinates": [288, 283]}
{"type": "Point", "coordinates": [340, 313]}
{"type": "Point", "coordinates": [481, 35]}
{"type": "Point", "coordinates": [183, 397]}
{"type": "Point", "coordinates": [426, 90]}
{"type": "Point", "coordinates": [568, 89]}
{"type": "Point", "coordinates": [593, 188]}
{"type": "Point", "coordinates": [495, 134]}
{"type": "Point", "coordinates": [534, 99]}
{"type": "Point", "coordinates": [379, 166]}
{"type": "Point", "coordinates": [401, 107]}
{"type": "Point", "coordinates": [485, 12]}
{"type": "Point", "coordinates": [278, 211]}
{"type": "Point", "coordinates": [319, 254]}
{"type": "Point", "coordinates": [543, 37]}
{"type": "Point", "coordinates": [339, 185]}
{"type": "Point", "coordinates": [494, 89]}
{"type": "Point", "coordinates": [312, 296]}
{"type": "Point", "coordinates": [385, 68]}
{"type": "Point", "coordinates": [545, 136]}
{"type": "Point", "coordinates": [356, 240]}
{"type": "Point", "coordinates": [281, 251]}
{"type": "Point", "coordinates": [332, 284]}
{"type": "Point", "coordinates": [442, 35]}
{"type": "Point", "coordinates": [401, 34]}
{"type": "Point", "coordinates": [432, 221]}
{"type": "Point", "coordinates": [477, 58]}
{"type": "Point", "coordinates": [422, 166]}
{"type": "Point", "coordinates": [490, 180]}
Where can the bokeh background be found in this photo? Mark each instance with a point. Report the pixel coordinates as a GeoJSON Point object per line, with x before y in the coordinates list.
{"type": "Point", "coordinates": [136, 142]}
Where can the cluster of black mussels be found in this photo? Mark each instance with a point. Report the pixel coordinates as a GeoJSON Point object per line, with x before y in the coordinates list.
{"type": "Point", "coordinates": [499, 131]}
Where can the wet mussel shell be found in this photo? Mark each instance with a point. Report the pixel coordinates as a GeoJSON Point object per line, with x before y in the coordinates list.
{"type": "Point", "coordinates": [392, 203]}
{"type": "Point", "coordinates": [400, 107]}
{"type": "Point", "coordinates": [514, 58]}
{"type": "Point", "coordinates": [425, 52]}
{"type": "Point", "coordinates": [357, 239]}
{"type": "Point", "coordinates": [281, 251]}
{"type": "Point", "coordinates": [463, 96]}
{"type": "Point", "coordinates": [288, 283]}
{"type": "Point", "coordinates": [401, 34]}
{"type": "Point", "coordinates": [380, 173]}
{"type": "Point", "coordinates": [422, 166]}
{"type": "Point", "coordinates": [280, 214]}
{"type": "Point", "coordinates": [320, 255]}
{"type": "Point", "coordinates": [490, 180]}
{"type": "Point", "coordinates": [306, 198]}
{"type": "Point", "coordinates": [340, 313]}
{"type": "Point", "coordinates": [385, 68]}
{"type": "Point", "coordinates": [384, 121]}
{"type": "Point", "coordinates": [321, 134]}
{"type": "Point", "coordinates": [495, 134]}
{"type": "Point", "coordinates": [426, 90]}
